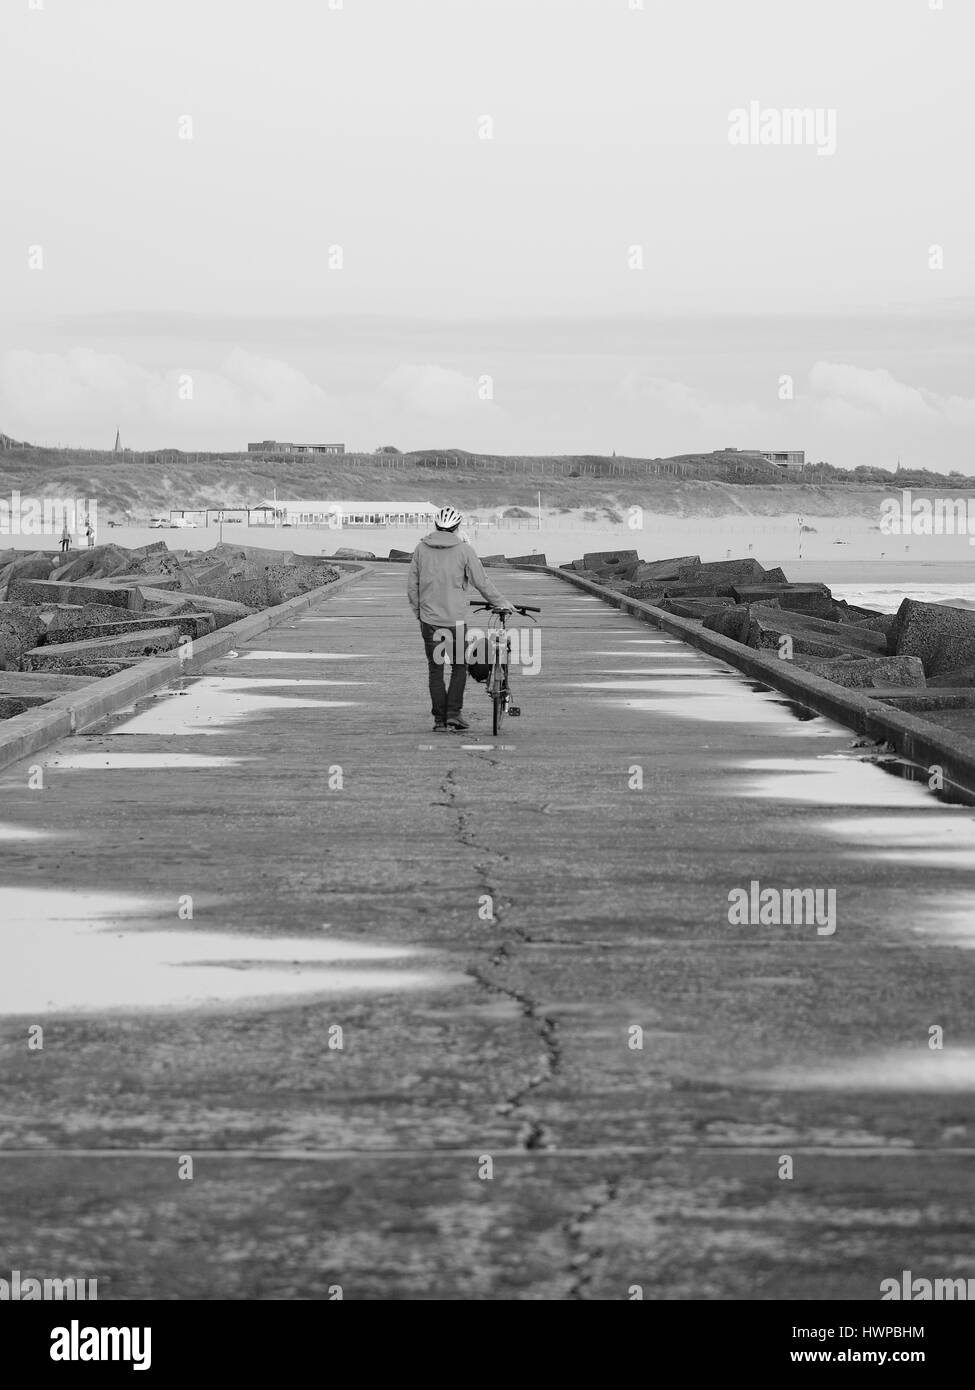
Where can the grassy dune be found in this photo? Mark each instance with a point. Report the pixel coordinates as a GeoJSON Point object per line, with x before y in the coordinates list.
{"type": "Point", "coordinates": [139, 485]}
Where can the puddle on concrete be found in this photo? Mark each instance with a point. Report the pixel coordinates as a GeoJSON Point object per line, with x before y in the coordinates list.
{"type": "Point", "coordinates": [662, 672]}
{"type": "Point", "coordinates": [259, 655]}
{"type": "Point", "coordinates": [70, 952]}
{"type": "Point", "coordinates": [671, 652]}
{"type": "Point", "coordinates": [256, 682]}
{"type": "Point", "coordinates": [952, 1069]}
{"type": "Point", "coordinates": [690, 684]}
{"type": "Point", "coordinates": [132, 762]}
{"type": "Point", "coordinates": [719, 700]}
{"type": "Point", "coordinates": [22, 832]}
{"type": "Point", "coordinates": [943, 838]}
{"type": "Point", "coordinates": [219, 700]}
{"type": "Point", "coordinates": [831, 781]}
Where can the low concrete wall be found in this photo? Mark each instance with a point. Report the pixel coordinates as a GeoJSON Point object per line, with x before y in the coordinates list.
{"type": "Point", "coordinates": [27, 733]}
{"type": "Point", "coordinates": [916, 739]}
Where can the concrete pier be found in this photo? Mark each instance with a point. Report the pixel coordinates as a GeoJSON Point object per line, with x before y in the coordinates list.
{"type": "Point", "coordinates": [465, 1017]}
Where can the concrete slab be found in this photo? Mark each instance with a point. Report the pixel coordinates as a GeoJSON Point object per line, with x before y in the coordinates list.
{"type": "Point", "coordinates": [55, 655]}
{"type": "Point", "coordinates": [55, 591]}
{"type": "Point", "coordinates": [46, 683]}
{"type": "Point", "coordinates": [632, 1063]}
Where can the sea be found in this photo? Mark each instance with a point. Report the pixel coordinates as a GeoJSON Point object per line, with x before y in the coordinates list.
{"type": "Point", "coordinates": [886, 598]}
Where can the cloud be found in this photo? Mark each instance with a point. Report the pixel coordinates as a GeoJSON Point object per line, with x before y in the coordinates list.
{"type": "Point", "coordinates": [433, 391]}
{"type": "Point", "coordinates": [81, 396]}
{"type": "Point", "coordinates": [848, 394]}
{"type": "Point", "coordinates": [694, 408]}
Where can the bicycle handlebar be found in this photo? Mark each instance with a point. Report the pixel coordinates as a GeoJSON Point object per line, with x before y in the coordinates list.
{"type": "Point", "coordinates": [522, 608]}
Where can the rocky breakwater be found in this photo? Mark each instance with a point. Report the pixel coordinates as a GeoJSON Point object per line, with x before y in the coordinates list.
{"type": "Point", "coordinates": [920, 659]}
{"type": "Point", "coordinates": [69, 620]}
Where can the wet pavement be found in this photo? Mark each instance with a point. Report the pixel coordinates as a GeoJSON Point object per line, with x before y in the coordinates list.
{"type": "Point", "coordinates": [466, 1017]}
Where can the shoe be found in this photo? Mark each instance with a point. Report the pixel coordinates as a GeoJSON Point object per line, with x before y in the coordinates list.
{"type": "Point", "coordinates": [440, 727]}
{"type": "Point", "coordinates": [458, 722]}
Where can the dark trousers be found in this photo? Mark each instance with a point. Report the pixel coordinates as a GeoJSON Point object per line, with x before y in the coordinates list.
{"type": "Point", "coordinates": [445, 701]}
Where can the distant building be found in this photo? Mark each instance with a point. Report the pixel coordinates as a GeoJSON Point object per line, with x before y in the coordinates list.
{"type": "Point", "coordinates": [275, 446]}
{"type": "Point", "coordinates": [305, 511]}
{"type": "Point", "coordinates": [789, 458]}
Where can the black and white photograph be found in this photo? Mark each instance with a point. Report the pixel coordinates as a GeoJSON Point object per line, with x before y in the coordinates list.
{"type": "Point", "coordinates": [487, 668]}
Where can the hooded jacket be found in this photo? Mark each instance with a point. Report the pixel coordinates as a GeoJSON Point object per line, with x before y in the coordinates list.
{"type": "Point", "coordinates": [442, 571]}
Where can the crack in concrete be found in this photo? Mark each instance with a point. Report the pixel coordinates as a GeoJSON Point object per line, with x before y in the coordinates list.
{"type": "Point", "coordinates": [532, 1133]}
{"type": "Point", "coordinates": [582, 1259]}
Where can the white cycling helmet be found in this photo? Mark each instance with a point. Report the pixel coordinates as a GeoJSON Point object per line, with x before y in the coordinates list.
{"type": "Point", "coordinates": [447, 518]}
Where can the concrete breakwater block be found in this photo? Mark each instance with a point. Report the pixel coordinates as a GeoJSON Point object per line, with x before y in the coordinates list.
{"type": "Point", "coordinates": [817, 603]}
{"type": "Point", "coordinates": [609, 559]}
{"type": "Point", "coordinates": [57, 655]}
{"type": "Point", "coordinates": [403, 555]}
{"type": "Point", "coordinates": [933, 697]}
{"type": "Point", "coordinates": [755, 592]}
{"type": "Point", "coordinates": [99, 562]}
{"type": "Point", "coordinates": [21, 629]}
{"type": "Point", "coordinates": [224, 610]}
{"type": "Point", "coordinates": [958, 679]}
{"type": "Point", "coordinates": [872, 622]}
{"type": "Point", "coordinates": [865, 673]}
{"type": "Point", "coordinates": [527, 560]}
{"type": "Point", "coordinates": [651, 593]}
{"type": "Point", "coordinates": [494, 559]}
{"type": "Point", "coordinates": [659, 571]}
{"type": "Point", "coordinates": [46, 685]}
{"type": "Point", "coordinates": [684, 589]}
{"type": "Point", "coordinates": [943, 637]}
{"type": "Point", "coordinates": [37, 565]}
{"type": "Point", "coordinates": [187, 626]}
{"type": "Point", "coordinates": [695, 607]}
{"type": "Point", "coordinates": [732, 622]}
{"type": "Point", "coordinates": [66, 617]}
{"type": "Point", "coordinates": [724, 573]}
{"type": "Point", "coordinates": [157, 581]}
{"type": "Point", "coordinates": [858, 640]}
{"type": "Point", "coordinates": [764, 635]}
{"type": "Point", "coordinates": [229, 552]}
{"type": "Point", "coordinates": [54, 591]}
{"type": "Point", "coordinates": [11, 705]}
{"type": "Point", "coordinates": [348, 552]}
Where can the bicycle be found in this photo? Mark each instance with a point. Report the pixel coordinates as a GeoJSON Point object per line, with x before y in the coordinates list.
{"type": "Point", "coordinates": [498, 681]}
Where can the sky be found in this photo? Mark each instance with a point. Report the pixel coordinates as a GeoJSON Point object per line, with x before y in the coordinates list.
{"type": "Point", "coordinates": [515, 226]}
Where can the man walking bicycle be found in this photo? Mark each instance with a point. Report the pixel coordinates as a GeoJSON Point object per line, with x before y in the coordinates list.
{"type": "Point", "coordinates": [442, 571]}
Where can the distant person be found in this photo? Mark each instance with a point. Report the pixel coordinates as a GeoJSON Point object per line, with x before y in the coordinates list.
{"type": "Point", "coordinates": [442, 570]}
{"type": "Point", "coordinates": [65, 538]}
{"type": "Point", "coordinates": [90, 534]}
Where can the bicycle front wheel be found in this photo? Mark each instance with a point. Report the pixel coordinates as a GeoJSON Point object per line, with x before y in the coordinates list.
{"type": "Point", "coordinates": [500, 702]}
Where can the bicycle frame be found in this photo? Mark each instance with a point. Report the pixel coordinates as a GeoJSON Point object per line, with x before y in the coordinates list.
{"type": "Point", "coordinates": [498, 681]}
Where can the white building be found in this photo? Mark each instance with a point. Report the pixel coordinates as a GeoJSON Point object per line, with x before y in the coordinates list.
{"type": "Point", "coordinates": [341, 512]}
{"type": "Point", "coordinates": [784, 458]}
